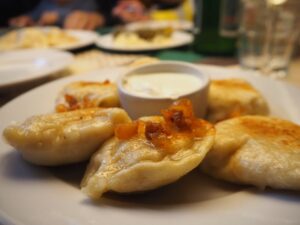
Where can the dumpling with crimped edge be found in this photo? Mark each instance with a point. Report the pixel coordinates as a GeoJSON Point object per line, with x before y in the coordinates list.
{"type": "Point", "coordinates": [256, 150]}
{"type": "Point", "coordinates": [234, 97]}
{"type": "Point", "coordinates": [84, 94]}
{"type": "Point", "coordinates": [149, 153]}
{"type": "Point", "coordinates": [63, 138]}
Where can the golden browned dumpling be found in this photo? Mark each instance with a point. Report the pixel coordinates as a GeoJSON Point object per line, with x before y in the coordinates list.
{"type": "Point", "coordinates": [81, 95]}
{"type": "Point", "coordinates": [62, 138]}
{"type": "Point", "coordinates": [149, 153]}
{"type": "Point", "coordinates": [256, 150]}
{"type": "Point", "coordinates": [234, 97]}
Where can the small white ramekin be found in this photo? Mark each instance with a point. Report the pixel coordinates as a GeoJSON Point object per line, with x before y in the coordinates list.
{"type": "Point", "coordinates": [138, 106]}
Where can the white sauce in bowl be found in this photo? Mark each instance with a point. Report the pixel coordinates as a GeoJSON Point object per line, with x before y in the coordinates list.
{"type": "Point", "coordinates": [162, 85]}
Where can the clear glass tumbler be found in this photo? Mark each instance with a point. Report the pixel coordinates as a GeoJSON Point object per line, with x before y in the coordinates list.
{"type": "Point", "coordinates": [267, 35]}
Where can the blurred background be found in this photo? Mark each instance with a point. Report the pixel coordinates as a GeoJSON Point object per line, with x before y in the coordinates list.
{"type": "Point", "coordinates": [256, 35]}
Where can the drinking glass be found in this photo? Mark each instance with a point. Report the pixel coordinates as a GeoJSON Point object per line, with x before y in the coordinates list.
{"type": "Point", "coordinates": [267, 35]}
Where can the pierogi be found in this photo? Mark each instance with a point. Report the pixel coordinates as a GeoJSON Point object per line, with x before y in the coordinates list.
{"type": "Point", "coordinates": [82, 94]}
{"type": "Point", "coordinates": [256, 150]}
{"type": "Point", "coordinates": [150, 152]}
{"type": "Point", "coordinates": [231, 98]}
{"type": "Point", "coordinates": [63, 138]}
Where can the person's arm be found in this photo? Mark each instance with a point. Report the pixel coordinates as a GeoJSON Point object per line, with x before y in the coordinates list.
{"type": "Point", "coordinates": [83, 20]}
{"type": "Point", "coordinates": [14, 8]}
{"type": "Point", "coordinates": [83, 15]}
{"type": "Point", "coordinates": [21, 21]}
{"type": "Point", "coordinates": [28, 19]}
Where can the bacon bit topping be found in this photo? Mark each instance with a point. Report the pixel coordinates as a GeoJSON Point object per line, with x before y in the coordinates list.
{"type": "Point", "coordinates": [154, 130]}
{"type": "Point", "coordinates": [179, 121]}
{"type": "Point", "coordinates": [72, 102]}
{"type": "Point", "coordinates": [180, 115]}
{"type": "Point", "coordinates": [61, 108]}
{"type": "Point", "coordinates": [126, 131]}
{"type": "Point", "coordinates": [159, 135]}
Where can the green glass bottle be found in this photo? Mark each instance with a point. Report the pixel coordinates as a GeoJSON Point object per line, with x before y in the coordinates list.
{"type": "Point", "coordinates": [216, 26]}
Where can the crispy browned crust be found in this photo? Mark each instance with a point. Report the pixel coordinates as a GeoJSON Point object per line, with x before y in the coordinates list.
{"type": "Point", "coordinates": [229, 98]}
{"type": "Point", "coordinates": [256, 150]}
{"type": "Point", "coordinates": [287, 132]}
{"type": "Point", "coordinates": [234, 84]}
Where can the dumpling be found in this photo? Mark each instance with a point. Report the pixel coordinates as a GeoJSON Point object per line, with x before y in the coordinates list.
{"type": "Point", "coordinates": [256, 150]}
{"type": "Point", "coordinates": [63, 138]}
{"type": "Point", "coordinates": [234, 97]}
{"type": "Point", "coordinates": [149, 153]}
{"type": "Point", "coordinates": [81, 95]}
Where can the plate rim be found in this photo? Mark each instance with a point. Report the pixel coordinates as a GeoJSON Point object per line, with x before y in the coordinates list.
{"type": "Point", "coordinates": [10, 220]}
{"type": "Point", "coordinates": [93, 36]}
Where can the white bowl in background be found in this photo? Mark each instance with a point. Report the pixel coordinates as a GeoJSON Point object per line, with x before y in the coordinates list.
{"type": "Point", "coordinates": [138, 106]}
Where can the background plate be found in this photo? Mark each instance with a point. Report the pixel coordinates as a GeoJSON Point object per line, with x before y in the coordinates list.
{"type": "Point", "coordinates": [31, 195]}
{"type": "Point", "coordinates": [178, 39]}
{"type": "Point", "coordinates": [25, 65]}
{"type": "Point", "coordinates": [85, 38]}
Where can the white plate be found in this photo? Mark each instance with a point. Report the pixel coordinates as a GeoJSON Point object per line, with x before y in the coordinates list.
{"type": "Point", "coordinates": [31, 195]}
{"type": "Point", "coordinates": [85, 38]}
{"type": "Point", "coordinates": [178, 39]}
{"type": "Point", "coordinates": [25, 65]}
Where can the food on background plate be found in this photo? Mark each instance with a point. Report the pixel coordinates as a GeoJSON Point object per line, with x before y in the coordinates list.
{"type": "Point", "coordinates": [256, 150]}
{"type": "Point", "coordinates": [142, 37]}
{"type": "Point", "coordinates": [83, 94]}
{"type": "Point", "coordinates": [36, 37]}
{"type": "Point", "coordinates": [63, 138]}
{"type": "Point", "coordinates": [230, 98]}
{"type": "Point", "coordinates": [150, 152]}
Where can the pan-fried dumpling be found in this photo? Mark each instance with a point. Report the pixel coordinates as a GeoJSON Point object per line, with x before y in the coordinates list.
{"type": "Point", "coordinates": [256, 150]}
{"type": "Point", "coordinates": [81, 95]}
{"type": "Point", "coordinates": [149, 153]}
{"type": "Point", "coordinates": [234, 97]}
{"type": "Point", "coordinates": [62, 138]}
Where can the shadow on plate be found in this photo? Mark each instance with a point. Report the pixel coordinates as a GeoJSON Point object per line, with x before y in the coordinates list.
{"type": "Point", "coordinates": [71, 174]}
{"type": "Point", "coordinates": [14, 167]}
{"type": "Point", "coordinates": [193, 188]}
{"type": "Point", "coordinates": [283, 195]}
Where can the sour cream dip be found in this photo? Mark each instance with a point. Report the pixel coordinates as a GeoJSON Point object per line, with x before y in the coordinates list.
{"type": "Point", "coordinates": [161, 85]}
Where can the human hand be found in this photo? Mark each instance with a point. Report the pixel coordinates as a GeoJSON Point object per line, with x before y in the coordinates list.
{"type": "Point", "coordinates": [83, 20]}
{"type": "Point", "coordinates": [130, 11]}
{"type": "Point", "coordinates": [21, 21]}
{"type": "Point", "coordinates": [49, 18]}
